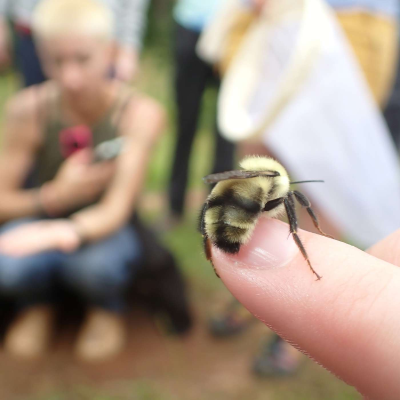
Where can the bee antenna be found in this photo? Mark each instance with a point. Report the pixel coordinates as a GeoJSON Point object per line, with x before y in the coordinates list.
{"type": "Point", "coordinates": [293, 183]}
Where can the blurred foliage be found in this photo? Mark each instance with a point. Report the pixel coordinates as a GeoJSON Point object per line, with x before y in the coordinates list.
{"type": "Point", "coordinates": [160, 24]}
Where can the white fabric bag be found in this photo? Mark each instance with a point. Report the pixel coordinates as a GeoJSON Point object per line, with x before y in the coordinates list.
{"type": "Point", "coordinates": [296, 82]}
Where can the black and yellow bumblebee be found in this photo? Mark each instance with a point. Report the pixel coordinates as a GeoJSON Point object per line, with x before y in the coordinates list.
{"type": "Point", "coordinates": [230, 213]}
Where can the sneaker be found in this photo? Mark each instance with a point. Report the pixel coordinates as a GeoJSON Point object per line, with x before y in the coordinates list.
{"type": "Point", "coordinates": [233, 321]}
{"type": "Point", "coordinates": [226, 326]}
{"type": "Point", "coordinates": [102, 336]}
{"type": "Point", "coordinates": [29, 336]}
{"type": "Point", "coordinates": [276, 358]}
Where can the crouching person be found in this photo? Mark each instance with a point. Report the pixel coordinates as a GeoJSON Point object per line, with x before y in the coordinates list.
{"type": "Point", "coordinates": [73, 224]}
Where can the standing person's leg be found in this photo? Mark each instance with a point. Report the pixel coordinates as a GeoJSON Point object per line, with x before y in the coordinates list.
{"type": "Point", "coordinates": [224, 155]}
{"type": "Point", "coordinates": [100, 273]}
{"type": "Point", "coordinates": [392, 111]}
{"type": "Point", "coordinates": [190, 82]}
{"type": "Point", "coordinates": [27, 59]}
{"type": "Point", "coordinates": [224, 159]}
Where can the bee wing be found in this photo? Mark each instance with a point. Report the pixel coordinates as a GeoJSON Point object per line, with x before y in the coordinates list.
{"type": "Point", "coordinates": [238, 174]}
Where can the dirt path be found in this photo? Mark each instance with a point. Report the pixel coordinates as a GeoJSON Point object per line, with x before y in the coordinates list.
{"type": "Point", "coordinates": [183, 366]}
{"type": "Point", "coordinates": [159, 367]}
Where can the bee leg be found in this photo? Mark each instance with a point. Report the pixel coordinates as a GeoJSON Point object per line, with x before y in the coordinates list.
{"type": "Point", "coordinates": [206, 240]}
{"type": "Point", "coordinates": [201, 224]}
{"type": "Point", "coordinates": [304, 202]}
{"type": "Point", "coordinates": [292, 217]}
{"type": "Point", "coordinates": [273, 204]}
{"type": "Point", "coordinates": [207, 250]}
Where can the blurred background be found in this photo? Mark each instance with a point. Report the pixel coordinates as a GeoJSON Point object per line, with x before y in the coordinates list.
{"type": "Point", "coordinates": [216, 358]}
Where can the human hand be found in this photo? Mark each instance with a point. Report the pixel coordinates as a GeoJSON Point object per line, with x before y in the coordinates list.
{"type": "Point", "coordinates": [126, 64]}
{"type": "Point", "coordinates": [40, 236]}
{"type": "Point", "coordinates": [258, 4]}
{"type": "Point", "coordinates": [77, 183]}
{"type": "Point", "coordinates": [348, 321]}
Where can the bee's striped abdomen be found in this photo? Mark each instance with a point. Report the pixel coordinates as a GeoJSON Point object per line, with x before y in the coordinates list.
{"type": "Point", "coordinates": [229, 238]}
{"type": "Point", "coordinates": [229, 198]}
{"type": "Point", "coordinates": [230, 218]}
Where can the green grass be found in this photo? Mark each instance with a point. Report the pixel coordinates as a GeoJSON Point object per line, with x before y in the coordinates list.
{"type": "Point", "coordinates": [140, 390]}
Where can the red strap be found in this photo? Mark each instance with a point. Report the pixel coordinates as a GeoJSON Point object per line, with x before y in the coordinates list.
{"type": "Point", "coordinates": [23, 29]}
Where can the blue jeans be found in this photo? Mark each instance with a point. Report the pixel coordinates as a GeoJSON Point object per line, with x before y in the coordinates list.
{"type": "Point", "coordinates": [99, 272]}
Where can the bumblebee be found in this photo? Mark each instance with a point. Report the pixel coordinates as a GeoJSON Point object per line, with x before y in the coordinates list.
{"type": "Point", "coordinates": [230, 213]}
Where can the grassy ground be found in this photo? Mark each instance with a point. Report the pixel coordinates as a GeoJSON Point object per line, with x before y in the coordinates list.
{"type": "Point", "coordinates": [196, 368]}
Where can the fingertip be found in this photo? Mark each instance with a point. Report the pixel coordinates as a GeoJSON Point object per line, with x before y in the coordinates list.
{"type": "Point", "coordinates": [270, 246]}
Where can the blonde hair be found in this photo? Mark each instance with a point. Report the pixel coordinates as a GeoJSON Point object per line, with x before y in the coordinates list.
{"type": "Point", "coordinates": [63, 17]}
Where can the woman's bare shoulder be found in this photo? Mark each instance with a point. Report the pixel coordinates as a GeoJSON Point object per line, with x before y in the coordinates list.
{"type": "Point", "coordinates": [27, 103]}
{"type": "Point", "coordinates": [23, 114]}
{"type": "Point", "coordinates": [145, 114]}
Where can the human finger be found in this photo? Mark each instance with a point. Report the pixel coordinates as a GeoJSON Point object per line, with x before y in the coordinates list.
{"type": "Point", "coordinates": [348, 321]}
{"type": "Point", "coordinates": [388, 249]}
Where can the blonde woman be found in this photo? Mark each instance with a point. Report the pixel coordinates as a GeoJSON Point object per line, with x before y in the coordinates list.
{"type": "Point", "coordinates": [74, 224]}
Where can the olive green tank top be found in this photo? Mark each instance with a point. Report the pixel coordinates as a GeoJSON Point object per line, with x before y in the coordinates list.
{"type": "Point", "coordinates": [52, 154]}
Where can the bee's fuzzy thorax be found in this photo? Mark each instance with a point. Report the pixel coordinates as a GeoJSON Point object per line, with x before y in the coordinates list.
{"type": "Point", "coordinates": [234, 205]}
{"type": "Point", "coordinates": [259, 163]}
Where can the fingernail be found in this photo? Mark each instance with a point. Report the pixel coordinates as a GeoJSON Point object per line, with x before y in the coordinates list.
{"type": "Point", "coordinates": [270, 246]}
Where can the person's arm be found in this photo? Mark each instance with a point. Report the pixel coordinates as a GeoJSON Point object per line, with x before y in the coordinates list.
{"type": "Point", "coordinates": [76, 184]}
{"type": "Point", "coordinates": [348, 321]}
{"type": "Point", "coordinates": [142, 125]}
{"type": "Point", "coordinates": [131, 24]}
{"type": "Point", "coordinates": [20, 141]}
{"type": "Point", "coordinates": [4, 34]}
{"type": "Point", "coordinates": [259, 4]}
